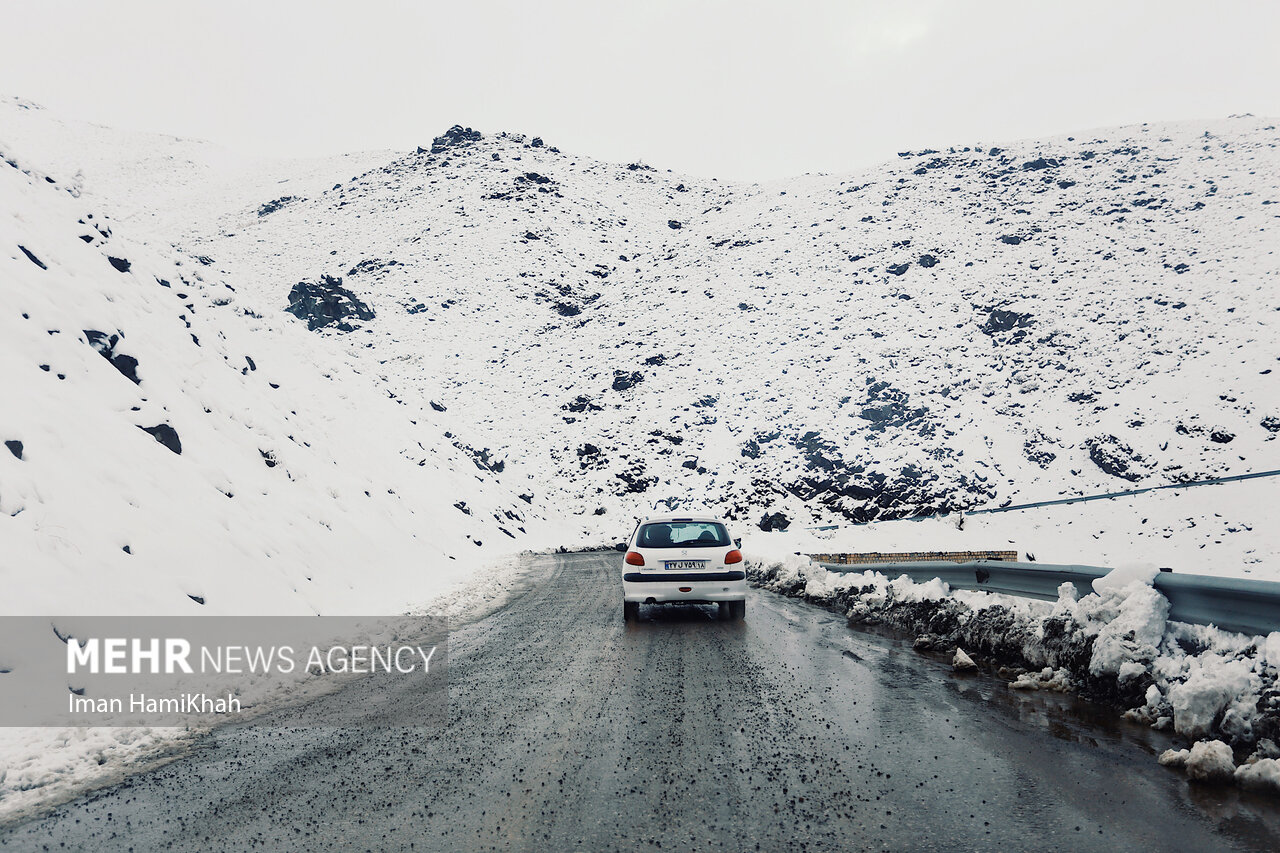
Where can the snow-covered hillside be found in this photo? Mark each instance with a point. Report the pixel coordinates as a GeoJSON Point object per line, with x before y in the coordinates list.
{"type": "Point", "coordinates": [956, 329]}
{"type": "Point", "coordinates": [959, 328]}
{"type": "Point", "coordinates": [161, 185]}
{"type": "Point", "coordinates": [173, 445]}
{"type": "Point", "coordinates": [972, 326]}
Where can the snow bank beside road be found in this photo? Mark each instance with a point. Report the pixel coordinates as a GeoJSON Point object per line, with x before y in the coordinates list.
{"type": "Point", "coordinates": [42, 767]}
{"type": "Point", "coordinates": [1115, 645]}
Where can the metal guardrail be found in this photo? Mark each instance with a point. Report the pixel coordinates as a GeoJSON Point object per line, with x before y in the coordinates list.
{"type": "Point", "coordinates": [1233, 604]}
{"type": "Point", "coordinates": [913, 557]}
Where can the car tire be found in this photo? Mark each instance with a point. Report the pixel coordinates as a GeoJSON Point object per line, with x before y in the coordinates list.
{"type": "Point", "coordinates": [737, 610]}
{"type": "Point", "coordinates": [630, 611]}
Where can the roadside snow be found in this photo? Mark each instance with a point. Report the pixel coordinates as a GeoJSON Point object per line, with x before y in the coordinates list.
{"type": "Point", "coordinates": [1127, 617]}
{"type": "Point", "coordinates": [41, 767]}
{"type": "Point", "coordinates": [1211, 761]}
{"type": "Point", "coordinates": [1114, 644]}
{"type": "Point", "coordinates": [1057, 680]}
{"type": "Point", "coordinates": [1263, 775]}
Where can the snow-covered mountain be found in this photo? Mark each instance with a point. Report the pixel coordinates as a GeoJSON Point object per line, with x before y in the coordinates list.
{"type": "Point", "coordinates": [971, 326]}
{"type": "Point", "coordinates": [959, 328]}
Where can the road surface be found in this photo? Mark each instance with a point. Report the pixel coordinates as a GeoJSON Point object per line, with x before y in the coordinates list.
{"type": "Point", "coordinates": [570, 730]}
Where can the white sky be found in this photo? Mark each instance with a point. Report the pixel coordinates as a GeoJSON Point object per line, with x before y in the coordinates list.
{"type": "Point", "coordinates": [734, 88]}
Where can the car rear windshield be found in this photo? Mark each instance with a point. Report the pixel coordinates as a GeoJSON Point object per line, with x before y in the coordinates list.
{"type": "Point", "coordinates": [683, 534]}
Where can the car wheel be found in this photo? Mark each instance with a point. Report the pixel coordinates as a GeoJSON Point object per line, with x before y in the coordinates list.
{"type": "Point", "coordinates": [737, 610]}
{"type": "Point", "coordinates": [630, 611]}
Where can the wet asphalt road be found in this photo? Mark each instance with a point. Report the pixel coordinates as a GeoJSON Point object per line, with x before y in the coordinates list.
{"type": "Point", "coordinates": [569, 730]}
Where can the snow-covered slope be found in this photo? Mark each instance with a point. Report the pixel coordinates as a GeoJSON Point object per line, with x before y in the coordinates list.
{"type": "Point", "coordinates": [161, 185]}
{"type": "Point", "coordinates": [968, 327]}
{"type": "Point", "coordinates": [172, 445]}
{"type": "Point", "coordinates": [958, 328]}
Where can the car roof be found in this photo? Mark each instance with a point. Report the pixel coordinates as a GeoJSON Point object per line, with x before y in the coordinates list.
{"type": "Point", "coordinates": [669, 518]}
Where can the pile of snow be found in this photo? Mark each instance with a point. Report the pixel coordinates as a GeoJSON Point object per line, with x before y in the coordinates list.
{"type": "Point", "coordinates": [1213, 762]}
{"type": "Point", "coordinates": [1207, 761]}
{"type": "Point", "coordinates": [1057, 680]}
{"type": "Point", "coordinates": [1114, 644]}
{"type": "Point", "coordinates": [1263, 775]}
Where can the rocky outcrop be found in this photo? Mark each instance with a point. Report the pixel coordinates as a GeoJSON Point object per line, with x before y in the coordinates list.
{"type": "Point", "coordinates": [326, 303]}
{"type": "Point", "coordinates": [454, 137]}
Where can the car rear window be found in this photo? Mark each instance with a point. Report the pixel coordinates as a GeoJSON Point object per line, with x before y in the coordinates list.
{"type": "Point", "coordinates": [683, 534]}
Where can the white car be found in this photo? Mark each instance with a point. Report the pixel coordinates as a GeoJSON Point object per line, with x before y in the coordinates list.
{"type": "Point", "coordinates": [683, 560]}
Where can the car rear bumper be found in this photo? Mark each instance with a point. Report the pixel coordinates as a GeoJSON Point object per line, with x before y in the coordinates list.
{"type": "Point", "coordinates": [688, 587]}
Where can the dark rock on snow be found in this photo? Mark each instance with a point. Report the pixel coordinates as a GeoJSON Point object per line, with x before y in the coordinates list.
{"type": "Point", "coordinates": [32, 257]}
{"type": "Point", "coordinates": [274, 205]}
{"type": "Point", "coordinates": [1116, 458]}
{"type": "Point", "coordinates": [623, 380]}
{"type": "Point", "coordinates": [582, 403]}
{"type": "Point", "coordinates": [1000, 320]}
{"type": "Point", "coordinates": [326, 303]}
{"type": "Point", "coordinates": [371, 265]}
{"type": "Point", "coordinates": [106, 347]}
{"type": "Point", "coordinates": [774, 521]}
{"type": "Point", "coordinates": [166, 435]}
{"type": "Point", "coordinates": [454, 136]}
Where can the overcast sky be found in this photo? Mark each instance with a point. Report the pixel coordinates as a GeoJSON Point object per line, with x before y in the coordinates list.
{"type": "Point", "coordinates": [733, 88]}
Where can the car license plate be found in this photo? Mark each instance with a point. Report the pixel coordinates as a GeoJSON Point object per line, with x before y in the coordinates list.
{"type": "Point", "coordinates": [681, 565]}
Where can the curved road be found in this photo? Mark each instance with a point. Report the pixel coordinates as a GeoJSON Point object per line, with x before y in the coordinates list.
{"type": "Point", "coordinates": [569, 730]}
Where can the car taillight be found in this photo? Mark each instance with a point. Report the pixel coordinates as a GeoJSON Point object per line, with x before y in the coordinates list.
{"type": "Point", "coordinates": [634, 559]}
{"type": "Point", "coordinates": [734, 556]}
